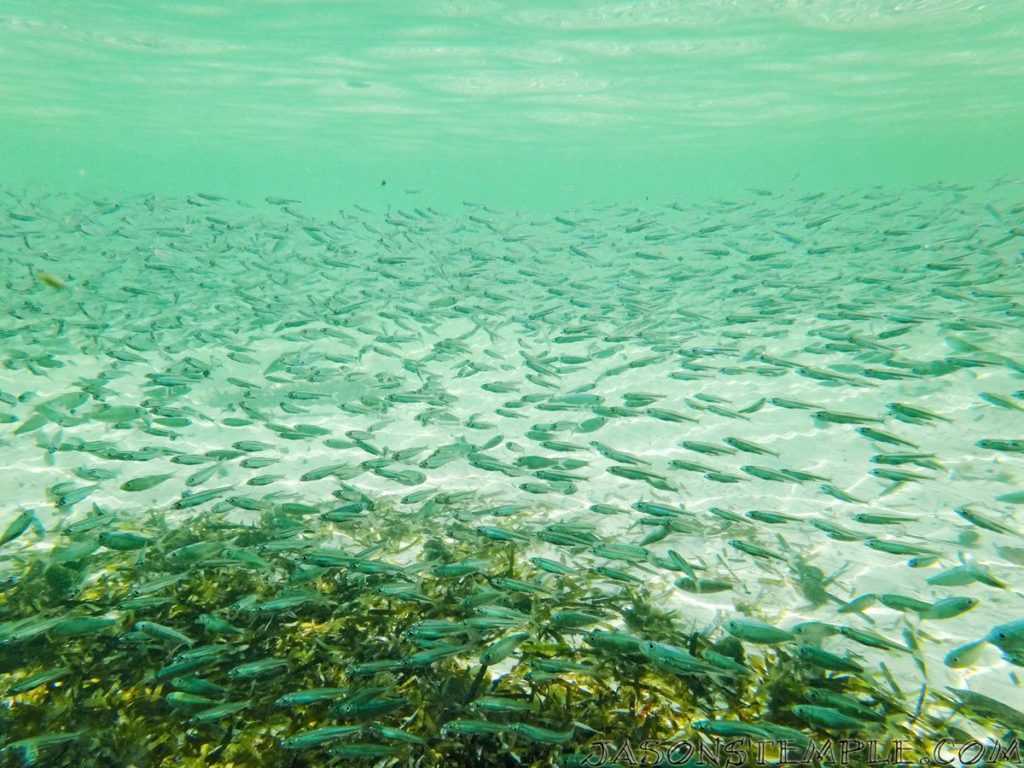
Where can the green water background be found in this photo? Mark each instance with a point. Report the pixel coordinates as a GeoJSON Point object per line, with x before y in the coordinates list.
{"type": "Point", "coordinates": [514, 104]}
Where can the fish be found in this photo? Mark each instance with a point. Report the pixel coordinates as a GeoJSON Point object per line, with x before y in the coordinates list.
{"type": "Point", "coordinates": [483, 454]}
{"type": "Point", "coordinates": [25, 519]}
{"type": "Point", "coordinates": [145, 483]}
{"type": "Point", "coordinates": [754, 631]}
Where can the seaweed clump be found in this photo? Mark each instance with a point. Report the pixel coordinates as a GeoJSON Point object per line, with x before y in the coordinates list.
{"type": "Point", "coordinates": [366, 634]}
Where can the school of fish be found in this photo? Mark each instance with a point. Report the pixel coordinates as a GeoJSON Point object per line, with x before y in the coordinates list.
{"type": "Point", "coordinates": [422, 487]}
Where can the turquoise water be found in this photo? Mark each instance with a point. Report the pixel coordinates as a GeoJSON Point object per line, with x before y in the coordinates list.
{"type": "Point", "coordinates": [506, 385]}
{"type": "Point", "coordinates": [520, 105]}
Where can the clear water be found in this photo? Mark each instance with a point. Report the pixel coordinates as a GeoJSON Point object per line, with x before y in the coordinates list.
{"type": "Point", "coordinates": [408, 352]}
{"type": "Point", "coordinates": [520, 105]}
